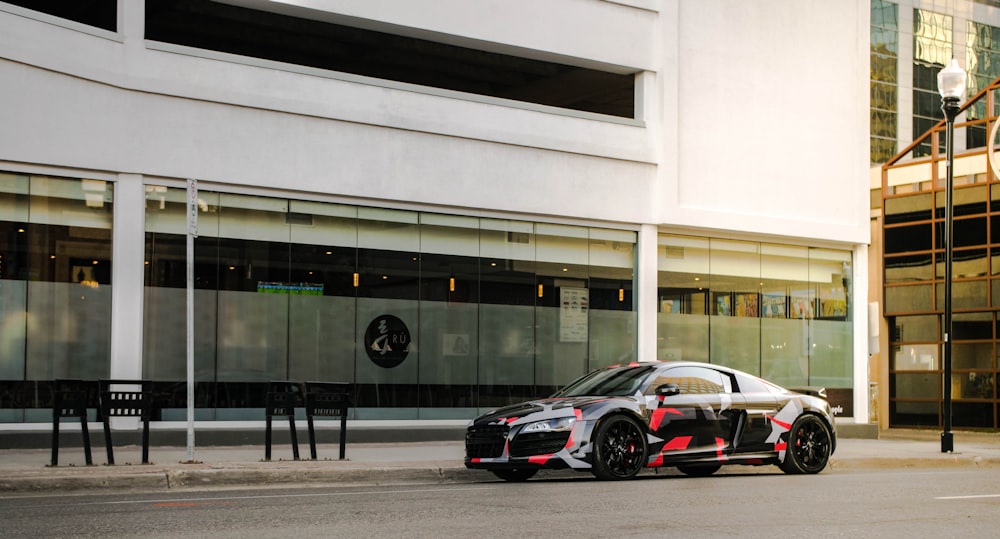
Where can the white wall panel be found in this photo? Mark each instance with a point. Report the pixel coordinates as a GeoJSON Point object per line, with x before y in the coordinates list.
{"type": "Point", "coordinates": [773, 118]}
{"type": "Point", "coordinates": [73, 122]}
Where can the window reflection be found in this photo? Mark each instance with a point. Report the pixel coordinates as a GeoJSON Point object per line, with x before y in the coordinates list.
{"type": "Point", "coordinates": [55, 284]}
{"type": "Point", "coordinates": [777, 310]}
{"type": "Point", "coordinates": [499, 310]}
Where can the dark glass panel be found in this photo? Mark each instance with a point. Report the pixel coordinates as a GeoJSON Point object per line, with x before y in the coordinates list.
{"type": "Point", "coordinates": [972, 326]}
{"type": "Point", "coordinates": [507, 282]}
{"type": "Point", "coordinates": [98, 13]}
{"type": "Point", "coordinates": [386, 395]}
{"type": "Point", "coordinates": [493, 396]}
{"type": "Point", "coordinates": [903, 239]}
{"type": "Point", "coordinates": [975, 136]}
{"type": "Point", "coordinates": [913, 414]}
{"type": "Point", "coordinates": [447, 396]}
{"type": "Point", "coordinates": [332, 267]}
{"type": "Point", "coordinates": [449, 278]}
{"type": "Point", "coordinates": [610, 295]}
{"type": "Point", "coordinates": [921, 126]}
{"type": "Point", "coordinates": [967, 232]}
{"type": "Point", "coordinates": [29, 394]}
{"type": "Point", "coordinates": [244, 265]}
{"type": "Point", "coordinates": [995, 229]}
{"type": "Point", "coordinates": [925, 79]}
{"type": "Point", "coordinates": [972, 415]}
{"type": "Point", "coordinates": [388, 274]}
{"type": "Point", "coordinates": [38, 252]}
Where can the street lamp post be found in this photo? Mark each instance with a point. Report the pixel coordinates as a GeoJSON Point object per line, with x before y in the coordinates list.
{"type": "Point", "coordinates": [951, 86]}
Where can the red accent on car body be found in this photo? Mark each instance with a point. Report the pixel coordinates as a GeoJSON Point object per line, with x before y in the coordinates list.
{"type": "Point", "coordinates": [680, 442]}
{"type": "Point", "coordinates": [782, 424]}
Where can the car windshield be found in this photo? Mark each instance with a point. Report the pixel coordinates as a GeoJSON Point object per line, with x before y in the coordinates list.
{"type": "Point", "coordinates": [616, 382]}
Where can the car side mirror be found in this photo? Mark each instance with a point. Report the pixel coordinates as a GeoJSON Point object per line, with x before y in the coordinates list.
{"type": "Point", "coordinates": [668, 390]}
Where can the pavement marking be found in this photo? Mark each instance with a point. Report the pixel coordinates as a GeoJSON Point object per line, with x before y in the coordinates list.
{"type": "Point", "coordinates": [970, 497]}
{"type": "Point", "coordinates": [177, 501]}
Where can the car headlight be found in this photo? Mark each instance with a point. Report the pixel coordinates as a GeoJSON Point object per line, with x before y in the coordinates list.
{"type": "Point", "coordinates": [550, 425]}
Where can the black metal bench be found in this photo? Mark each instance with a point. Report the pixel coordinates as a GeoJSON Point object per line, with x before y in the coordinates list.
{"type": "Point", "coordinates": [282, 398]}
{"type": "Point", "coordinates": [70, 398]}
{"type": "Point", "coordinates": [119, 402]}
{"type": "Point", "coordinates": [327, 399]}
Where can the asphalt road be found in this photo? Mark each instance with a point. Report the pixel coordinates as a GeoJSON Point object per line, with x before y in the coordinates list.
{"type": "Point", "coordinates": [761, 502]}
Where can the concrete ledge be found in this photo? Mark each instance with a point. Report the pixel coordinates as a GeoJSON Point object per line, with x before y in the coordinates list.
{"type": "Point", "coordinates": [72, 440]}
{"type": "Point", "coordinates": [863, 431]}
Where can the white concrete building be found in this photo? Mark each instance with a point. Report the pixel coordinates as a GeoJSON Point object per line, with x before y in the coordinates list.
{"type": "Point", "coordinates": [510, 238]}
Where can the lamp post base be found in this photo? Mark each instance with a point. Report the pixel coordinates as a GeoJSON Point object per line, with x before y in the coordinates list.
{"type": "Point", "coordinates": [947, 442]}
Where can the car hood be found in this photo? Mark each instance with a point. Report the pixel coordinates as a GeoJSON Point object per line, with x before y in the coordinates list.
{"type": "Point", "coordinates": [541, 408]}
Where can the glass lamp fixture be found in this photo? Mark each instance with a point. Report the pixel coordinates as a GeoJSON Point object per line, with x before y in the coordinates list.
{"type": "Point", "coordinates": [951, 81]}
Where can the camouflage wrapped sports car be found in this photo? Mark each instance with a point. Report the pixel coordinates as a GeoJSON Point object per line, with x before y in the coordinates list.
{"type": "Point", "coordinates": [694, 416]}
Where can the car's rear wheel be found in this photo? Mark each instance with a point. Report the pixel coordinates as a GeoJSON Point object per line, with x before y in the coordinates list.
{"type": "Point", "coordinates": [619, 448]}
{"type": "Point", "coordinates": [516, 475]}
{"type": "Point", "coordinates": [809, 446]}
{"type": "Point", "coordinates": [699, 470]}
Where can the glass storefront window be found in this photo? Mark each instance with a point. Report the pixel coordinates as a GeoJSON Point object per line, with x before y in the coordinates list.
{"type": "Point", "coordinates": [781, 311]}
{"type": "Point", "coordinates": [484, 311]}
{"type": "Point", "coordinates": [55, 285]}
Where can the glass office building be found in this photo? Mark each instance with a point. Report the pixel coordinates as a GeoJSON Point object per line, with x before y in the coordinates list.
{"type": "Point", "coordinates": [911, 207]}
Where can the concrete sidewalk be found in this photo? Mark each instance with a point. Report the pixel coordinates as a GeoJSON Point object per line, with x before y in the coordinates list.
{"type": "Point", "coordinates": [27, 470]}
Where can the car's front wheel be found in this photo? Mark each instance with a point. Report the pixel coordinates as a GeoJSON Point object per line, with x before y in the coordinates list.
{"type": "Point", "coordinates": [619, 448]}
{"type": "Point", "coordinates": [515, 475]}
{"type": "Point", "coordinates": [809, 446]}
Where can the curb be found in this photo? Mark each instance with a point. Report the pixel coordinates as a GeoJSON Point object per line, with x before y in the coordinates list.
{"type": "Point", "coordinates": [174, 479]}
{"type": "Point", "coordinates": [163, 479]}
{"type": "Point", "coordinates": [944, 461]}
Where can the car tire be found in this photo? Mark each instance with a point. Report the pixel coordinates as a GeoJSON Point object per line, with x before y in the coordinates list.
{"type": "Point", "coordinates": [515, 475]}
{"type": "Point", "coordinates": [699, 470]}
{"type": "Point", "coordinates": [809, 446]}
{"type": "Point", "coordinates": [619, 448]}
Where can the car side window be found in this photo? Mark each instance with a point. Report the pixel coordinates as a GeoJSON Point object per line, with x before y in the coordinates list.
{"type": "Point", "coordinates": [692, 381]}
{"type": "Point", "coordinates": [751, 385]}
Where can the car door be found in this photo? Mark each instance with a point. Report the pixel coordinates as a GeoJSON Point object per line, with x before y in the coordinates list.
{"type": "Point", "coordinates": [756, 405]}
{"type": "Point", "coordinates": [695, 417]}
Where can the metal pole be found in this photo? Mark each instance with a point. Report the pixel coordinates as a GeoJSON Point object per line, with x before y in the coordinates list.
{"type": "Point", "coordinates": [192, 232]}
{"type": "Point", "coordinates": [950, 107]}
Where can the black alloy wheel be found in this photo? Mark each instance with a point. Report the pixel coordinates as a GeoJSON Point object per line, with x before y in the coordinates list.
{"type": "Point", "coordinates": [699, 470]}
{"type": "Point", "coordinates": [809, 446]}
{"type": "Point", "coordinates": [619, 448]}
{"type": "Point", "coordinates": [515, 475]}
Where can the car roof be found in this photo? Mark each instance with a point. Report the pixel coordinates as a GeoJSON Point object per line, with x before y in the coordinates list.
{"type": "Point", "coordinates": [678, 363]}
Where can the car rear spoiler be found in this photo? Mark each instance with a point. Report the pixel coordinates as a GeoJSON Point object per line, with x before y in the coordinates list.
{"type": "Point", "coordinates": [815, 391]}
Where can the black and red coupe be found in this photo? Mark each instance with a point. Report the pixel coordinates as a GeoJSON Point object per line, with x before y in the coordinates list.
{"type": "Point", "coordinates": [696, 417]}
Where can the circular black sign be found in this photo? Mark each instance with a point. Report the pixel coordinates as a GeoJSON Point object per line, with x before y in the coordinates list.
{"type": "Point", "coordinates": [387, 341]}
